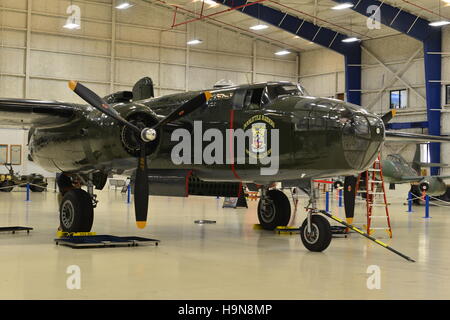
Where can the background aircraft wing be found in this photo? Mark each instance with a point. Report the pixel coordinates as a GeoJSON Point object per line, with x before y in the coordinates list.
{"type": "Point", "coordinates": [411, 178]}
{"type": "Point", "coordinates": [441, 177]}
{"type": "Point", "coordinates": [431, 165]}
{"type": "Point", "coordinates": [34, 113]}
{"type": "Point", "coordinates": [414, 137]}
{"type": "Point", "coordinates": [420, 178]}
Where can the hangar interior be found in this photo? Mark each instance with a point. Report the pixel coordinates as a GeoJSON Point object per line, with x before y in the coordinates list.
{"type": "Point", "coordinates": [46, 43]}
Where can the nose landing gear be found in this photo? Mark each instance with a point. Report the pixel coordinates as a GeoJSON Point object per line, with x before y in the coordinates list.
{"type": "Point", "coordinates": [315, 231]}
{"type": "Point", "coordinates": [318, 238]}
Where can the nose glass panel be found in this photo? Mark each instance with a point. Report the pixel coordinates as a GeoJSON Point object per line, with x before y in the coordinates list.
{"type": "Point", "coordinates": [356, 140]}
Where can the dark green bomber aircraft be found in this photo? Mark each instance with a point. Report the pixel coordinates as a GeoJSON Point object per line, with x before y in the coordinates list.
{"type": "Point", "coordinates": [303, 137]}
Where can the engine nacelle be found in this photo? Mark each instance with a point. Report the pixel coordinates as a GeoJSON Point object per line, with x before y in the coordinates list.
{"type": "Point", "coordinates": [142, 117]}
{"type": "Point", "coordinates": [433, 186]}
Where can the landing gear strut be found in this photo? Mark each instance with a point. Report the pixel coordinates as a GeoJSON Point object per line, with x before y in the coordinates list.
{"type": "Point", "coordinates": [315, 231]}
{"type": "Point", "coordinates": [274, 209]}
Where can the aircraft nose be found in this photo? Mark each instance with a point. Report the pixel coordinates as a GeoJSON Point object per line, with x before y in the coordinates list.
{"type": "Point", "coordinates": [362, 138]}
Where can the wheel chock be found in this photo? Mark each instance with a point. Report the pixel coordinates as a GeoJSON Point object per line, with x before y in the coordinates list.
{"type": "Point", "coordinates": [63, 234]}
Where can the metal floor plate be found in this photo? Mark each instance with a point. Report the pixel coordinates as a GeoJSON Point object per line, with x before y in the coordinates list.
{"type": "Point", "coordinates": [14, 229]}
{"type": "Point", "coordinates": [100, 241]}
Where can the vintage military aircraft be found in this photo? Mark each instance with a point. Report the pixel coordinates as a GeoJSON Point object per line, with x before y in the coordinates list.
{"type": "Point", "coordinates": [396, 170]}
{"type": "Point", "coordinates": [289, 137]}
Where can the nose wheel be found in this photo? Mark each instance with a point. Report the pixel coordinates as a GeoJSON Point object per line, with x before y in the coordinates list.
{"type": "Point", "coordinates": [318, 236]}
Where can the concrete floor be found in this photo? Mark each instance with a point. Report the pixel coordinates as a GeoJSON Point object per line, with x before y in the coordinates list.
{"type": "Point", "coordinates": [227, 260]}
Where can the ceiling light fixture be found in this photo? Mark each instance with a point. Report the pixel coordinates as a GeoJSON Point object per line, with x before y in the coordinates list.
{"type": "Point", "coordinates": [194, 41]}
{"type": "Point", "coordinates": [343, 6]}
{"type": "Point", "coordinates": [350, 39]}
{"type": "Point", "coordinates": [124, 5]}
{"type": "Point", "coordinates": [211, 3]}
{"type": "Point", "coordinates": [439, 23]}
{"type": "Point", "coordinates": [259, 27]}
{"type": "Point", "coordinates": [71, 26]}
{"type": "Point", "coordinates": [282, 53]}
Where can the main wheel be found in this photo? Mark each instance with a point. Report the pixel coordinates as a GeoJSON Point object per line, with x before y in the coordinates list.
{"type": "Point", "coordinates": [76, 213]}
{"type": "Point", "coordinates": [6, 186]}
{"type": "Point", "coordinates": [320, 236]}
{"type": "Point", "coordinates": [276, 212]}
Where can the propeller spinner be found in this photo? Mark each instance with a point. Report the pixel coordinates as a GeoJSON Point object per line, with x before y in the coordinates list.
{"type": "Point", "coordinates": [141, 190]}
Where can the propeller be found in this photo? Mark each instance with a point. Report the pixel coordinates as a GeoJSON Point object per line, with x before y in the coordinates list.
{"type": "Point", "coordinates": [388, 116]}
{"type": "Point", "coordinates": [141, 191]}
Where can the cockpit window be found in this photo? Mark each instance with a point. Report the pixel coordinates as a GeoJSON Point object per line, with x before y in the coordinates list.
{"type": "Point", "coordinates": [361, 126]}
{"type": "Point", "coordinates": [279, 90]}
{"type": "Point", "coordinates": [252, 100]}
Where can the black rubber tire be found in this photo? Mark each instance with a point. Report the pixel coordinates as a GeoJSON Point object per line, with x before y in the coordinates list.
{"type": "Point", "coordinates": [280, 211]}
{"type": "Point", "coordinates": [323, 234]}
{"type": "Point", "coordinates": [5, 184]}
{"type": "Point", "coordinates": [76, 213]}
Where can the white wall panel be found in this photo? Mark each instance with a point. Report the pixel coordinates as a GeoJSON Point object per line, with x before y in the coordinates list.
{"type": "Point", "coordinates": [12, 60]}
{"type": "Point", "coordinates": [69, 66]}
{"type": "Point", "coordinates": [14, 19]}
{"type": "Point", "coordinates": [70, 44]}
{"type": "Point", "coordinates": [16, 4]}
{"type": "Point", "coordinates": [131, 71]}
{"type": "Point", "coordinates": [172, 77]}
{"type": "Point", "coordinates": [11, 87]}
{"type": "Point", "coordinates": [12, 38]}
{"type": "Point", "coordinates": [137, 52]}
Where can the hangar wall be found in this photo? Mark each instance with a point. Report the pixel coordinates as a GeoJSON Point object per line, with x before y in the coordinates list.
{"type": "Point", "coordinates": [322, 73]}
{"type": "Point", "coordinates": [114, 48]}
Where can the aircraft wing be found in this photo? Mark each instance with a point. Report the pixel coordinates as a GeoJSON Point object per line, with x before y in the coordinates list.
{"type": "Point", "coordinates": [414, 137]}
{"type": "Point", "coordinates": [34, 113]}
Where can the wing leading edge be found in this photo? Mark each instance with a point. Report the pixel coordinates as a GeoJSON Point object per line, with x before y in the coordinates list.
{"type": "Point", "coordinates": [34, 113]}
{"type": "Point", "coordinates": [414, 137]}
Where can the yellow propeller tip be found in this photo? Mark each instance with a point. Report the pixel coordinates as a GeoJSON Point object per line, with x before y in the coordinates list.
{"type": "Point", "coordinates": [208, 95]}
{"type": "Point", "coordinates": [141, 224]}
{"type": "Point", "coordinates": [72, 85]}
{"type": "Point", "coordinates": [394, 112]}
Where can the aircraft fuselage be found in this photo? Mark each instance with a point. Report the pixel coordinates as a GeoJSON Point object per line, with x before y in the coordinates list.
{"type": "Point", "coordinates": [317, 137]}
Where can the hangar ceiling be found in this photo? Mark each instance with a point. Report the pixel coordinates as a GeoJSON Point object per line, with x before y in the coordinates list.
{"type": "Point", "coordinates": [319, 12]}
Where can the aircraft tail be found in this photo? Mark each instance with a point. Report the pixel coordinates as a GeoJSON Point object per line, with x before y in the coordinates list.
{"type": "Point", "coordinates": [416, 161]}
{"type": "Point", "coordinates": [417, 165]}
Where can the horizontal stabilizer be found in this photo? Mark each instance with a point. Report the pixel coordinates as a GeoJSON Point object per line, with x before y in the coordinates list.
{"type": "Point", "coordinates": [414, 137]}
{"type": "Point", "coordinates": [34, 113]}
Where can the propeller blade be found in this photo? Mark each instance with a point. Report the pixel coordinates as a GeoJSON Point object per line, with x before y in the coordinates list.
{"type": "Point", "coordinates": [388, 116]}
{"type": "Point", "coordinates": [185, 108]}
{"type": "Point", "coordinates": [98, 103]}
{"type": "Point", "coordinates": [350, 197]}
{"type": "Point", "coordinates": [141, 191]}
